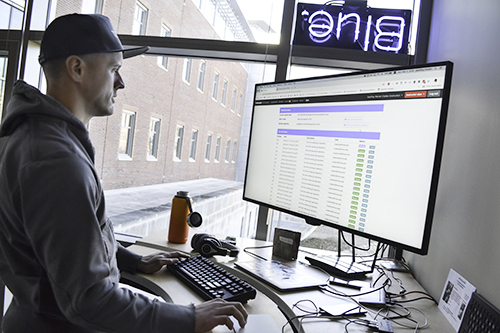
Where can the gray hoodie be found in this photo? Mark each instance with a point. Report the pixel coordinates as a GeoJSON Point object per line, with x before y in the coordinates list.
{"type": "Point", "coordinates": [57, 248]}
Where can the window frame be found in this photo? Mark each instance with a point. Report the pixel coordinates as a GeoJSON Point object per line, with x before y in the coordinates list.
{"type": "Point", "coordinates": [208, 147]}
{"type": "Point", "coordinates": [228, 149]}
{"type": "Point", "coordinates": [152, 151]}
{"type": "Point", "coordinates": [186, 70]}
{"type": "Point", "coordinates": [217, 149]}
{"type": "Point", "coordinates": [129, 127]}
{"type": "Point", "coordinates": [235, 146]}
{"type": "Point", "coordinates": [179, 138]}
{"type": "Point", "coordinates": [215, 86]}
{"type": "Point", "coordinates": [201, 75]}
{"type": "Point", "coordinates": [165, 31]}
{"type": "Point", "coordinates": [225, 84]}
{"type": "Point", "coordinates": [140, 24]}
{"type": "Point", "coordinates": [193, 145]}
{"type": "Point", "coordinates": [240, 104]}
{"type": "Point", "coordinates": [233, 99]}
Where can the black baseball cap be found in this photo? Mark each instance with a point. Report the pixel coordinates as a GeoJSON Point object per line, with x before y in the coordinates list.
{"type": "Point", "coordinates": [79, 34]}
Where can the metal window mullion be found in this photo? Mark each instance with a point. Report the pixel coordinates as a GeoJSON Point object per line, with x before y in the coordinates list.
{"type": "Point", "coordinates": [282, 65]}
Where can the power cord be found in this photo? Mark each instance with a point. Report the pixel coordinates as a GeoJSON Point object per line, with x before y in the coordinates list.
{"type": "Point", "coordinates": [255, 254]}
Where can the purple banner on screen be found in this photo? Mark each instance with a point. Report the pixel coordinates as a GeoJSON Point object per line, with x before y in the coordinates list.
{"type": "Point", "coordinates": [334, 108]}
{"type": "Point", "coordinates": [332, 134]}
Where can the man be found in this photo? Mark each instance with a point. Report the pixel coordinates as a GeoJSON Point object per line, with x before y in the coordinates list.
{"type": "Point", "coordinates": [58, 255]}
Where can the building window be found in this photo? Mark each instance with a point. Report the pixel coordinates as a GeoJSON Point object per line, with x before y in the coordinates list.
{"type": "Point", "coordinates": [233, 100]}
{"type": "Point", "coordinates": [179, 134]}
{"type": "Point", "coordinates": [192, 148]}
{"type": "Point", "coordinates": [186, 70]}
{"type": "Point", "coordinates": [154, 135]}
{"type": "Point", "coordinates": [228, 147]}
{"type": "Point", "coordinates": [126, 135]}
{"type": "Point", "coordinates": [208, 148]}
{"type": "Point", "coordinates": [215, 86]}
{"type": "Point", "coordinates": [3, 73]}
{"type": "Point", "coordinates": [165, 32]}
{"type": "Point", "coordinates": [235, 145]}
{"type": "Point", "coordinates": [217, 149]}
{"type": "Point", "coordinates": [240, 104]}
{"type": "Point", "coordinates": [91, 7]}
{"type": "Point", "coordinates": [201, 75]}
{"type": "Point", "coordinates": [140, 18]}
{"type": "Point", "coordinates": [224, 92]}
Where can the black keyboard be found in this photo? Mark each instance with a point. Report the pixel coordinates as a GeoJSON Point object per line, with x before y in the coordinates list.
{"type": "Point", "coordinates": [211, 281]}
{"type": "Point", "coordinates": [480, 317]}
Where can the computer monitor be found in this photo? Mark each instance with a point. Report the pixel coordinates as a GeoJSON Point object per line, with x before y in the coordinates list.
{"type": "Point", "coordinates": [360, 152]}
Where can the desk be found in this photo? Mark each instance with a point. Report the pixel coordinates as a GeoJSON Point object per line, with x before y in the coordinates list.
{"type": "Point", "coordinates": [280, 304]}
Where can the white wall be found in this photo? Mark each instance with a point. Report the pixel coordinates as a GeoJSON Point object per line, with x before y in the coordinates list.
{"type": "Point", "coordinates": [466, 230]}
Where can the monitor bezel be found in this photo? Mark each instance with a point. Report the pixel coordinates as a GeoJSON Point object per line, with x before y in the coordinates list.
{"type": "Point", "coordinates": [423, 249]}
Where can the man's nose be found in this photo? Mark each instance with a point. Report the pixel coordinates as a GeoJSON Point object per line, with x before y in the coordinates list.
{"type": "Point", "coordinates": [119, 84]}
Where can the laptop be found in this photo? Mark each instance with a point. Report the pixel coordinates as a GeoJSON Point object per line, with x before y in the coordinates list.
{"type": "Point", "coordinates": [280, 275]}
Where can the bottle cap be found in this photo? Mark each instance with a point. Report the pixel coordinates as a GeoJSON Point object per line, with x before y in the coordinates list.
{"type": "Point", "coordinates": [183, 194]}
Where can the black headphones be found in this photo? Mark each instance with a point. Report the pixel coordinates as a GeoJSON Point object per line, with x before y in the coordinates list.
{"type": "Point", "coordinates": [194, 219]}
{"type": "Point", "coordinates": [207, 245]}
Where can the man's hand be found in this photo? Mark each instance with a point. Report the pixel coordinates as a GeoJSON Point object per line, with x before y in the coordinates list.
{"type": "Point", "coordinates": [154, 262]}
{"type": "Point", "coordinates": [216, 312]}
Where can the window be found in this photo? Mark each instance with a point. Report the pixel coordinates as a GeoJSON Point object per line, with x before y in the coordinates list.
{"type": "Point", "coordinates": [91, 7]}
{"type": "Point", "coordinates": [154, 134]}
{"type": "Point", "coordinates": [209, 147]}
{"type": "Point", "coordinates": [215, 86]}
{"type": "Point", "coordinates": [126, 135]}
{"type": "Point", "coordinates": [179, 134]}
{"type": "Point", "coordinates": [235, 145]}
{"type": "Point", "coordinates": [201, 75]}
{"type": "Point", "coordinates": [217, 149]}
{"type": "Point", "coordinates": [192, 148]}
{"type": "Point", "coordinates": [186, 70]}
{"type": "Point", "coordinates": [233, 101]}
{"type": "Point", "coordinates": [140, 18]}
{"type": "Point", "coordinates": [3, 72]}
{"type": "Point", "coordinates": [228, 147]}
{"type": "Point", "coordinates": [224, 92]}
{"type": "Point", "coordinates": [240, 104]}
{"type": "Point", "coordinates": [165, 32]}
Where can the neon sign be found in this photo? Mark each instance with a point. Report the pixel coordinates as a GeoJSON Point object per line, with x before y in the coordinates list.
{"type": "Point", "coordinates": [367, 29]}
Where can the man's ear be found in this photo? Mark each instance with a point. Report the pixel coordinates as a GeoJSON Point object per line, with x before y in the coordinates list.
{"type": "Point", "coordinates": [75, 68]}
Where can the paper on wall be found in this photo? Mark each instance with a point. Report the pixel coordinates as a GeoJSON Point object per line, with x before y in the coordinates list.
{"type": "Point", "coordinates": [455, 297]}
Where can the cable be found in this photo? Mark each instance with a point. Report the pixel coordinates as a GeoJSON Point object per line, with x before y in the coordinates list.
{"type": "Point", "coordinates": [254, 254]}
{"type": "Point", "coordinates": [414, 292]}
{"type": "Point", "coordinates": [354, 246]}
{"type": "Point", "coordinates": [407, 317]}
{"type": "Point", "coordinates": [339, 293]}
{"type": "Point", "coordinates": [400, 282]}
{"type": "Point", "coordinates": [309, 314]}
{"type": "Point", "coordinates": [306, 311]}
{"type": "Point", "coordinates": [363, 322]}
{"type": "Point", "coordinates": [297, 317]}
{"type": "Point", "coordinates": [318, 313]}
{"type": "Point", "coordinates": [415, 299]}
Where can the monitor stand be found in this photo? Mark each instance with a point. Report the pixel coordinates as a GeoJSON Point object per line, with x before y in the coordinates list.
{"type": "Point", "coordinates": [342, 266]}
{"type": "Point", "coordinates": [395, 262]}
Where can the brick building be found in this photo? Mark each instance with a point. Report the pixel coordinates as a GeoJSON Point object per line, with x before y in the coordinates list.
{"type": "Point", "coordinates": [177, 118]}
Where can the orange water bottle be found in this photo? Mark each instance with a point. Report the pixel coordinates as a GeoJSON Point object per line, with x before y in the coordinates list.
{"type": "Point", "coordinates": [178, 229]}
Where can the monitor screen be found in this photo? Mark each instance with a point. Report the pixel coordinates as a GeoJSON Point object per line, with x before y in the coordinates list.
{"type": "Point", "coordinates": [359, 152]}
